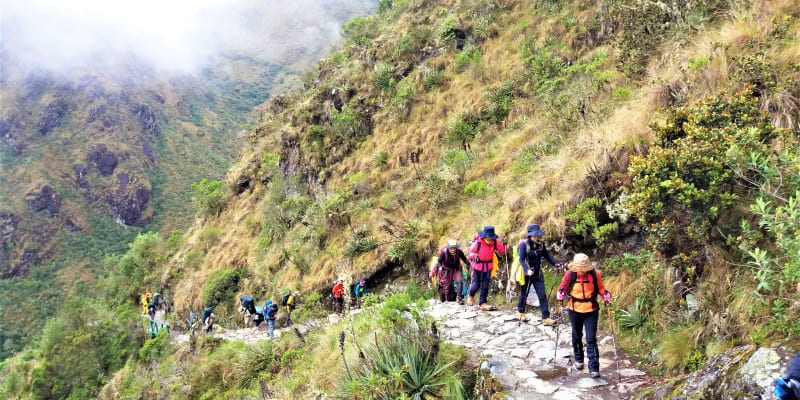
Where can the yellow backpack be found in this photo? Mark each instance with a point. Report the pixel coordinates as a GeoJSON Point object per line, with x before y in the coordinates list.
{"type": "Point", "coordinates": [517, 272]}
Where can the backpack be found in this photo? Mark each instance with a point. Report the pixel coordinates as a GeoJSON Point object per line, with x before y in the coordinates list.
{"type": "Point", "coordinates": [495, 260]}
{"type": "Point", "coordinates": [285, 299]}
{"type": "Point", "coordinates": [573, 278]}
{"type": "Point", "coordinates": [517, 272]}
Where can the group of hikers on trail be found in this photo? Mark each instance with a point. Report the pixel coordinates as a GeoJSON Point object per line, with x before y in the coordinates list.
{"type": "Point", "coordinates": [150, 303]}
{"type": "Point", "coordinates": [580, 285]}
{"type": "Point", "coordinates": [269, 312]}
{"type": "Point", "coordinates": [338, 290]}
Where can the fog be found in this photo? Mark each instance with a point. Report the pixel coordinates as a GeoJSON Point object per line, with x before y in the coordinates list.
{"type": "Point", "coordinates": [175, 36]}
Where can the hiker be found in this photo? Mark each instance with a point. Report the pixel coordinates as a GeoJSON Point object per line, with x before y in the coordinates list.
{"type": "Point", "coordinates": [338, 295]}
{"type": "Point", "coordinates": [450, 259]}
{"type": "Point", "coordinates": [192, 320]}
{"type": "Point", "coordinates": [581, 285]}
{"type": "Point", "coordinates": [359, 291]}
{"type": "Point", "coordinates": [271, 314]}
{"type": "Point", "coordinates": [531, 251]}
{"type": "Point", "coordinates": [787, 386]}
{"type": "Point", "coordinates": [288, 301]}
{"type": "Point", "coordinates": [482, 253]}
{"type": "Point", "coordinates": [208, 319]}
{"type": "Point", "coordinates": [247, 308]}
{"type": "Point", "coordinates": [144, 302]}
{"type": "Point", "coordinates": [153, 304]}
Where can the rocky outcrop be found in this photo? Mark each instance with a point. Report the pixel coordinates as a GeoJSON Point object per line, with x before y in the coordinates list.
{"type": "Point", "coordinates": [52, 115]}
{"type": "Point", "coordinates": [94, 112]}
{"type": "Point", "coordinates": [103, 159]}
{"type": "Point", "coordinates": [8, 224]}
{"type": "Point", "coordinates": [129, 201]}
{"type": "Point", "coordinates": [744, 372]}
{"type": "Point", "coordinates": [45, 198]}
{"type": "Point", "coordinates": [8, 129]}
{"type": "Point", "coordinates": [81, 180]}
{"type": "Point", "coordinates": [148, 118]}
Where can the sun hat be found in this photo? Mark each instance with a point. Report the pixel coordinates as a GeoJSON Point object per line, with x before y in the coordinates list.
{"type": "Point", "coordinates": [487, 232]}
{"type": "Point", "coordinates": [534, 230]}
{"type": "Point", "coordinates": [580, 263]}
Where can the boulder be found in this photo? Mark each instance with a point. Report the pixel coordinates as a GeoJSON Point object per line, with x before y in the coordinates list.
{"type": "Point", "coordinates": [148, 118]}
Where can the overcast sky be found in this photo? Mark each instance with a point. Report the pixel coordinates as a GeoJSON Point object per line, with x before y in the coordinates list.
{"type": "Point", "coordinates": [170, 35]}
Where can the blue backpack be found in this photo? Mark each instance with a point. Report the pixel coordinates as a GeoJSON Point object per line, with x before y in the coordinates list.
{"type": "Point", "coordinates": [787, 390]}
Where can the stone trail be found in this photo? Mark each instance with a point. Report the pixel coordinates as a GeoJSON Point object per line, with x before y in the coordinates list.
{"type": "Point", "coordinates": [520, 355]}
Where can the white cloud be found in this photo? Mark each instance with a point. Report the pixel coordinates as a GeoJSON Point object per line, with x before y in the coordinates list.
{"type": "Point", "coordinates": [170, 35]}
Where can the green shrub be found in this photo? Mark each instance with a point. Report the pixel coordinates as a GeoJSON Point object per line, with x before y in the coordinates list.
{"type": "Point", "coordinates": [359, 243]}
{"type": "Point", "coordinates": [698, 63]}
{"type": "Point", "coordinates": [621, 93]}
{"type": "Point", "coordinates": [221, 287]}
{"type": "Point", "coordinates": [379, 159]}
{"type": "Point", "coordinates": [208, 196]}
{"type": "Point", "coordinates": [530, 153]}
{"type": "Point", "coordinates": [402, 101]}
{"type": "Point", "coordinates": [155, 348]}
{"type": "Point", "coordinates": [382, 76]}
{"type": "Point", "coordinates": [360, 30]}
{"type": "Point", "coordinates": [500, 102]}
{"type": "Point", "coordinates": [431, 78]}
{"type": "Point", "coordinates": [462, 128]}
{"type": "Point", "coordinates": [477, 188]}
{"type": "Point", "coordinates": [689, 179]}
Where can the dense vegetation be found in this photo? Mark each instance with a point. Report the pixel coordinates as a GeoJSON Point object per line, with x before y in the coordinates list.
{"type": "Point", "coordinates": [660, 138]}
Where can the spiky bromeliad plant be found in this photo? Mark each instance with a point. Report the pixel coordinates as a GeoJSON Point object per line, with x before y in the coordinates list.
{"type": "Point", "coordinates": [406, 365]}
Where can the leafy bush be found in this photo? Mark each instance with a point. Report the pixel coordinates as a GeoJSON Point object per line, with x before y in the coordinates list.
{"type": "Point", "coordinates": [477, 188]}
{"type": "Point", "coordinates": [360, 30]}
{"type": "Point", "coordinates": [462, 128]}
{"type": "Point", "coordinates": [587, 218]}
{"type": "Point", "coordinates": [208, 196]}
{"type": "Point", "coordinates": [431, 78]}
{"type": "Point", "coordinates": [155, 348]}
{"type": "Point", "coordinates": [500, 101]}
{"type": "Point", "coordinates": [402, 100]}
{"type": "Point", "coordinates": [221, 287]}
{"type": "Point", "coordinates": [686, 182]}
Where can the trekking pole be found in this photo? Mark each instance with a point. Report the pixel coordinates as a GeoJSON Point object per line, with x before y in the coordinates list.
{"type": "Point", "coordinates": [613, 340]}
{"type": "Point", "coordinates": [558, 328]}
{"type": "Point", "coordinates": [509, 292]}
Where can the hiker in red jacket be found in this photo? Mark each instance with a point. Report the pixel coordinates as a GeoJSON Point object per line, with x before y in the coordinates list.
{"type": "Point", "coordinates": [481, 254]}
{"type": "Point", "coordinates": [338, 295]}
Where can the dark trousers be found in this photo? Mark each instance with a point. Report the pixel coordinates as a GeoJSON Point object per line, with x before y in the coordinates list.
{"type": "Point", "coordinates": [587, 321]}
{"type": "Point", "coordinates": [447, 277]}
{"type": "Point", "coordinates": [480, 280]}
{"type": "Point", "coordinates": [537, 281]}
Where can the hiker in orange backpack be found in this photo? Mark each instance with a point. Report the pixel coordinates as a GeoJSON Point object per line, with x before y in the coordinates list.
{"type": "Point", "coordinates": [482, 254]}
{"type": "Point", "coordinates": [581, 285]}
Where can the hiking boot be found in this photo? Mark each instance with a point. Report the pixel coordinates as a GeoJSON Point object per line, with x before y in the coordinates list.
{"type": "Point", "coordinates": [471, 300]}
{"type": "Point", "coordinates": [522, 317]}
{"type": "Point", "coordinates": [578, 365]}
{"type": "Point", "coordinates": [486, 307]}
{"type": "Point", "coordinates": [461, 301]}
{"type": "Point", "coordinates": [594, 374]}
{"type": "Point", "coordinates": [549, 322]}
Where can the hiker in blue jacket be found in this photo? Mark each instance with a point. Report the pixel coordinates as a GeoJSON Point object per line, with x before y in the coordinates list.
{"type": "Point", "coordinates": [531, 251]}
{"type": "Point", "coordinates": [271, 314]}
{"type": "Point", "coordinates": [787, 386]}
{"type": "Point", "coordinates": [208, 319]}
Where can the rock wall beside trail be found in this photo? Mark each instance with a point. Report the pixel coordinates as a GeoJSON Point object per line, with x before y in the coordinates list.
{"type": "Point", "coordinates": [744, 372]}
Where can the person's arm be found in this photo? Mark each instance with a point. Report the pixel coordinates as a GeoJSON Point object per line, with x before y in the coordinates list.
{"type": "Point", "coordinates": [473, 251]}
{"type": "Point", "coordinates": [600, 287]}
{"type": "Point", "coordinates": [523, 256]}
{"type": "Point", "coordinates": [499, 246]}
{"type": "Point", "coordinates": [441, 257]}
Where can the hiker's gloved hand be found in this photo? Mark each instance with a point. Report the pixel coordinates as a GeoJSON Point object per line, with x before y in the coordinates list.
{"type": "Point", "coordinates": [530, 272]}
{"type": "Point", "coordinates": [560, 294]}
{"type": "Point", "coordinates": [561, 266]}
{"type": "Point", "coordinates": [607, 297]}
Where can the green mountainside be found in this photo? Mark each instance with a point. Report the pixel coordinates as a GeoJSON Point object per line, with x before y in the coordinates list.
{"type": "Point", "coordinates": [659, 138]}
